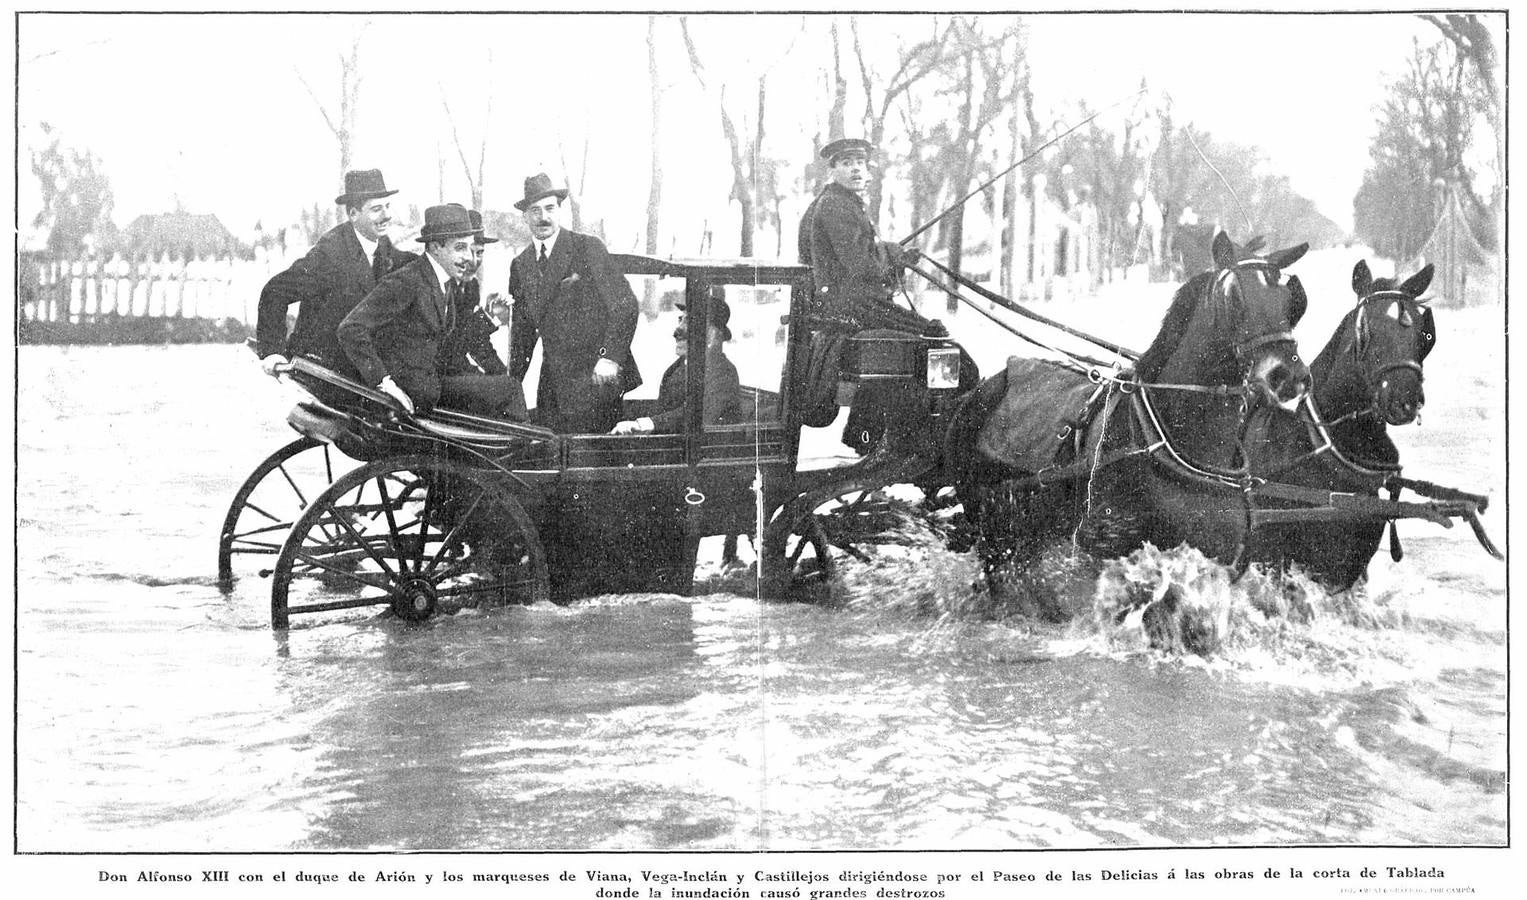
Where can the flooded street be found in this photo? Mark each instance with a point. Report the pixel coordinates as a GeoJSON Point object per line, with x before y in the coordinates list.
{"type": "Point", "coordinates": [157, 713]}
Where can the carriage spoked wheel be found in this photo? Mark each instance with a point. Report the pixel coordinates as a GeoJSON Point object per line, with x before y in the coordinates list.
{"type": "Point", "coordinates": [802, 543]}
{"type": "Point", "coordinates": [415, 534]}
{"type": "Point", "coordinates": [269, 502]}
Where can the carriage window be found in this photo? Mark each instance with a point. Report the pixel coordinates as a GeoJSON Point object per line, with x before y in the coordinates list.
{"type": "Point", "coordinates": [653, 344]}
{"type": "Point", "coordinates": [757, 347]}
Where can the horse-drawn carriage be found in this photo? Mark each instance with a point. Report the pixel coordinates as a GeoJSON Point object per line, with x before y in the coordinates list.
{"type": "Point", "coordinates": [1210, 437]}
{"type": "Point", "coordinates": [453, 508]}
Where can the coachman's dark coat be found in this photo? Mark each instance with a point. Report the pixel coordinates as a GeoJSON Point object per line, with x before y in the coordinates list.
{"type": "Point", "coordinates": [326, 284]}
{"type": "Point", "coordinates": [581, 309]}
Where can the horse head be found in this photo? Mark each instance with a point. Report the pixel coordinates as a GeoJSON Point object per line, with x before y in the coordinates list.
{"type": "Point", "coordinates": [1233, 325]}
{"type": "Point", "coordinates": [1374, 360]}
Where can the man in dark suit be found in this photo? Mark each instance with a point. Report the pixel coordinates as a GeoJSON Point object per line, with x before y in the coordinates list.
{"type": "Point", "coordinates": [468, 349]}
{"type": "Point", "coordinates": [394, 336]}
{"type": "Point", "coordinates": [569, 296]}
{"type": "Point", "coordinates": [723, 389]}
{"type": "Point", "coordinates": [326, 283]}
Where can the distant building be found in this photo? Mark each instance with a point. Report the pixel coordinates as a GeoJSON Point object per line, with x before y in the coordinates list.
{"type": "Point", "coordinates": [182, 234]}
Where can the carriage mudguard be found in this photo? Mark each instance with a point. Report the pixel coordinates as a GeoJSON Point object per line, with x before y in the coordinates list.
{"type": "Point", "coordinates": [1041, 410]}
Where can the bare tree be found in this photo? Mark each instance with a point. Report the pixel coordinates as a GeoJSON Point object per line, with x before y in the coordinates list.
{"type": "Point", "coordinates": [744, 158]}
{"type": "Point", "coordinates": [474, 177]}
{"type": "Point", "coordinates": [575, 185]}
{"type": "Point", "coordinates": [342, 123]}
{"type": "Point", "coordinates": [655, 179]}
{"type": "Point", "coordinates": [915, 64]}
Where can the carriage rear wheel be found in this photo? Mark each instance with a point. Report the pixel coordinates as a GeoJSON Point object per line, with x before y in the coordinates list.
{"type": "Point", "coordinates": [414, 534]}
{"type": "Point", "coordinates": [267, 504]}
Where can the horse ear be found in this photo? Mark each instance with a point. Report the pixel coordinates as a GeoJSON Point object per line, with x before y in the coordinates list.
{"type": "Point", "coordinates": [1362, 279]}
{"type": "Point", "coordinates": [1282, 259]}
{"type": "Point", "coordinates": [1300, 298]}
{"type": "Point", "coordinates": [1416, 284]}
{"type": "Point", "coordinates": [1223, 251]}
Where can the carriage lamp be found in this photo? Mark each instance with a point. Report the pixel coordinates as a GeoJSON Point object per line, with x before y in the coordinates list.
{"type": "Point", "coordinates": [943, 368]}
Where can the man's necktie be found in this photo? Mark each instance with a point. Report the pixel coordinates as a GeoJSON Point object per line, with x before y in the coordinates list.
{"type": "Point", "coordinates": [380, 258]}
{"type": "Point", "coordinates": [452, 300]}
{"type": "Point", "coordinates": [541, 260]}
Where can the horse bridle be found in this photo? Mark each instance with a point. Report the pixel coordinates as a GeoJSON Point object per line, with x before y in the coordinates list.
{"type": "Point", "coordinates": [1359, 338]}
{"type": "Point", "coordinates": [1245, 348]}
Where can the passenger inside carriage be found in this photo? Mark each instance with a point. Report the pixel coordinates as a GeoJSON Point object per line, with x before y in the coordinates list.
{"type": "Point", "coordinates": [723, 389]}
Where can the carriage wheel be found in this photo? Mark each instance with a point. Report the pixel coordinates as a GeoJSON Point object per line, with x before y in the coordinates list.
{"type": "Point", "coordinates": [800, 544]}
{"type": "Point", "coordinates": [413, 534]}
{"type": "Point", "coordinates": [269, 501]}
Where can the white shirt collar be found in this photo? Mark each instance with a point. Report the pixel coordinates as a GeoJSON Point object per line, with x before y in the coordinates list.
{"type": "Point", "coordinates": [367, 246]}
{"type": "Point", "coordinates": [441, 274]}
{"type": "Point", "coordinates": [550, 243]}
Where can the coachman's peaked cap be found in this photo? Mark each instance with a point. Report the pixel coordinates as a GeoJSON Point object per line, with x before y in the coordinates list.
{"type": "Point", "coordinates": [845, 145]}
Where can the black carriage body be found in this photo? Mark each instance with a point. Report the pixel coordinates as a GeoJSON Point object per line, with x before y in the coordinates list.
{"type": "Point", "coordinates": [626, 513]}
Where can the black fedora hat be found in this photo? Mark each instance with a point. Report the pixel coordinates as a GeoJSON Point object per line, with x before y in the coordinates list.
{"type": "Point", "coordinates": [846, 145]}
{"type": "Point", "coordinates": [448, 220]}
{"type": "Point", "coordinates": [538, 187]}
{"type": "Point", "coordinates": [362, 185]}
{"type": "Point", "coordinates": [476, 218]}
{"type": "Point", "coordinates": [720, 315]}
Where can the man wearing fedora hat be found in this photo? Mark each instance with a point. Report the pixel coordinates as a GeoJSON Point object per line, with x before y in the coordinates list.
{"type": "Point", "coordinates": [326, 283]}
{"type": "Point", "coordinates": [723, 389]}
{"type": "Point", "coordinates": [468, 349]}
{"type": "Point", "coordinates": [395, 335]}
{"type": "Point", "coordinates": [569, 296]}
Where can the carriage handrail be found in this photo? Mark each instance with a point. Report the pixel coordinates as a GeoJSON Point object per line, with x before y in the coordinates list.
{"type": "Point", "coordinates": [307, 367]}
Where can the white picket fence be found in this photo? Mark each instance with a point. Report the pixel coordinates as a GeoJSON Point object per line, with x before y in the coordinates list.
{"type": "Point", "coordinates": [83, 290]}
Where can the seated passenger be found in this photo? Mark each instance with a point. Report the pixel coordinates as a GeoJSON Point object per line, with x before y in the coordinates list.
{"type": "Point", "coordinates": [723, 389]}
{"type": "Point", "coordinates": [396, 334]}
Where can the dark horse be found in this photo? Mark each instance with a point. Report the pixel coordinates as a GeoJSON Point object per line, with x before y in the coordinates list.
{"type": "Point", "coordinates": [1044, 450]}
{"type": "Point", "coordinates": [1367, 378]}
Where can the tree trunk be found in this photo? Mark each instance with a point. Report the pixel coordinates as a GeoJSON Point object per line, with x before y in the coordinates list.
{"type": "Point", "coordinates": [655, 173]}
{"type": "Point", "coordinates": [839, 90]}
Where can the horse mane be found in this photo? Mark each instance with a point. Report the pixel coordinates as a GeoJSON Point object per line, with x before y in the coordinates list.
{"type": "Point", "coordinates": [1173, 325]}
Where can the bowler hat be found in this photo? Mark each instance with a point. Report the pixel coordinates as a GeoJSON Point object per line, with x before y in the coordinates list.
{"type": "Point", "coordinates": [448, 220]}
{"type": "Point", "coordinates": [720, 315]}
{"type": "Point", "coordinates": [362, 185]}
{"type": "Point", "coordinates": [538, 187]}
{"type": "Point", "coordinates": [476, 218]}
{"type": "Point", "coordinates": [845, 145]}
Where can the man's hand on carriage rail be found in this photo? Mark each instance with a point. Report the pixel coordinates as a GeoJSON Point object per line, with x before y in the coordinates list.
{"type": "Point", "coordinates": [606, 371]}
{"type": "Point", "coordinates": [390, 388]}
{"type": "Point", "coordinates": [275, 364]}
{"type": "Point", "coordinates": [642, 425]}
